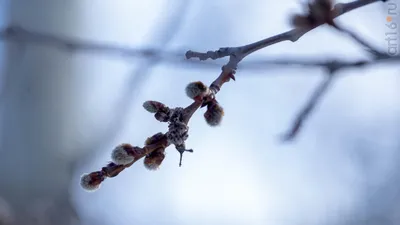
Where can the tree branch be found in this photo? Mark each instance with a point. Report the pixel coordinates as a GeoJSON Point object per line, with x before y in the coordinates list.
{"type": "Point", "coordinates": [238, 53]}
{"type": "Point", "coordinates": [320, 12]}
{"type": "Point", "coordinates": [123, 156]}
{"type": "Point", "coordinates": [306, 111]}
{"type": "Point", "coordinates": [328, 64]}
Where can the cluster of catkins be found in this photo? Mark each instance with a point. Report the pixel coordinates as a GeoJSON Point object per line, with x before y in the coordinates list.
{"type": "Point", "coordinates": [215, 112]}
{"type": "Point", "coordinates": [196, 91]}
{"type": "Point", "coordinates": [124, 155]}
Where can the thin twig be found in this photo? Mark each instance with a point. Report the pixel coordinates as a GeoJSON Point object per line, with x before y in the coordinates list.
{"type": "Point", "coordinates": [237, 54]}
{"type": "Point", "coordinates": [339, 64]}
{"type": "Point", "coordinates": [368, 47]}
{"type": "Point", "coordinates": [309, 107]}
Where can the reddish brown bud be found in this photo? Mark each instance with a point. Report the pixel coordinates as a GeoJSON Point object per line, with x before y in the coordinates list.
{"type": "Point", "coordinates": [154, 106]}
{"type": "Point", "coordinates": [319, 12]}
{"type": "Point", "coordinates": [112, 169]}
{"type": "Point", "coordinates": [92, 181]}
{"type": "Point", "coordinates": [300, 21]}
{"type": "Point", "coordinates": [196, 89]}
{"type": "Point", "coordinates": [162, 116]}
{"type": "Point", "coordinates": [154, 159]}
{"type": "Point", "coordinates": [214, 113]}
{"type": "Point", "coordinates": [124, 154]}
{"type": "Point", "coordinates": [154, 139]}
{"type": "Point", "coordinates": [324, 5]}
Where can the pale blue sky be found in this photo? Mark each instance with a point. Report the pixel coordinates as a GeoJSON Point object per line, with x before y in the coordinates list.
{"type": "Point", "coordinates": [239, 173]}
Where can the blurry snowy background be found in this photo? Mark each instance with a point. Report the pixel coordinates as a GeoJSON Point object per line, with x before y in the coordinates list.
{"type": "Point", "coordinates": [62, 112]}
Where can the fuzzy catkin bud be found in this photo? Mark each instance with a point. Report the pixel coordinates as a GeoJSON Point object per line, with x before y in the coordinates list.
{"type": "Point", "coordinates": [324, 5]}
{"type": "Point", "coordinates": [153, 106]}
{"type": "Point", "coordinates": [300, 21]}
{"type": "Point", "coordinates": [319, 12]}
{"type": "Point", "coordinates": [162, 116]}
{"type": "Point", "coordinates": [112, 169]}
{"type": "Point", "coordinates": [154, 139]}
{"type": "Point", "coordinates": [92, 181]}
{"type": "Point", "coordinates": [214, 114]}
{"type": "Point", "coordinates": [123, 154]}
{"type": "Point", "coordinates": [195, 89]}
{"type": "Point", "coordinates": [154, 159]}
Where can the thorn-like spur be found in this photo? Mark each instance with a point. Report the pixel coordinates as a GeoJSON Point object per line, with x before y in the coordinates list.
{"type": "Point", "coordinates": [232, 76]}
{"type": "Point", "coordinates": [181, 151]}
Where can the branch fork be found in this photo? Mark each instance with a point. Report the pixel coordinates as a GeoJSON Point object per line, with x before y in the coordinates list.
{"type": "Point", "coordinates": [317, 13]}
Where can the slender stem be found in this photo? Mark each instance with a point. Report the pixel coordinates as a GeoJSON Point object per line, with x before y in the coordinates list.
{"type": "Point", "coordinates": [239, 53]}
{"type": "Point", "coordinates": [190, 110]}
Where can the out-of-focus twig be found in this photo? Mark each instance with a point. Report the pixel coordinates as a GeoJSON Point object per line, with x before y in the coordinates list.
{"type": "Point", "coordinates": [306, 111]}
{"type": "Point", "coordinates": [175, 56]}
{"type": "Point", "coordinates": [338, 64]}
{"type": "Point", "coordinates": [163, 36]}
{"type": "Point", "coordinates": [333, 67]}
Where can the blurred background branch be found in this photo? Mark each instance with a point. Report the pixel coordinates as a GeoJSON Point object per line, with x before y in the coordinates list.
{"type": "Point", "coordinates": [25, 37]}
